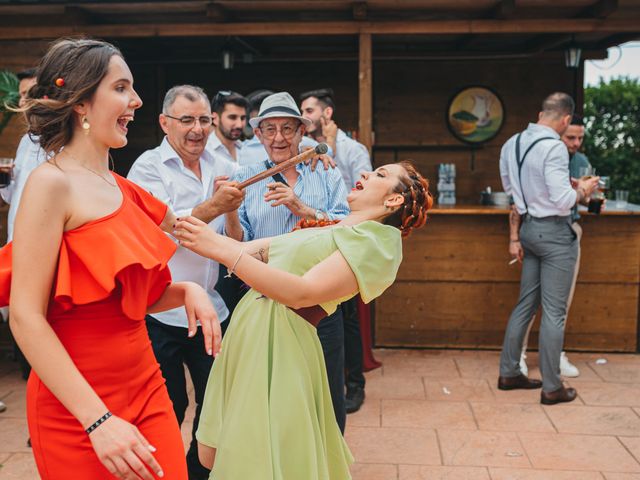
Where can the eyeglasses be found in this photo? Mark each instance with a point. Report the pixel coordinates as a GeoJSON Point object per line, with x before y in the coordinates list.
{"type": "Point", "coordinates": [270, 131]}
{"type": "Point", "coordinates": [190, 121]}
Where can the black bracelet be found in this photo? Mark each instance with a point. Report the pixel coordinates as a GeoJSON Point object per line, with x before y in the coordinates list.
{"type": "Point", "coordinates": [99, 422]}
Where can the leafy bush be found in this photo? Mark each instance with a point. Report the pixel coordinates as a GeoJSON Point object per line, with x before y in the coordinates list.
{"type": "Point", "coordinates": [9, 96]}
{"type": "Point", "coordinates": [612, 140]}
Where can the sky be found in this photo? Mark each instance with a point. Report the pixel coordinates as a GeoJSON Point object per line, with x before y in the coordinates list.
{"type": "Point", "coordinates": [624, 60]}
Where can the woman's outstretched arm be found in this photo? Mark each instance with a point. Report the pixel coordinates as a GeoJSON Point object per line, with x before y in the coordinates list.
{"type": "Point", "coordinates": [329, 280]}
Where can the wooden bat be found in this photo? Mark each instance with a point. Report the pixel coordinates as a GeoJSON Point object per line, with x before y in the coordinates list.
{"type": "Point", "coordinates": [320, 149]}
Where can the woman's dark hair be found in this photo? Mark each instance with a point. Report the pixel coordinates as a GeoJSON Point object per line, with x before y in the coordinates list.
{"type": "Point", "coordinates": [68, 74]}
{"type": "Point", "coordinates": [414, 188]}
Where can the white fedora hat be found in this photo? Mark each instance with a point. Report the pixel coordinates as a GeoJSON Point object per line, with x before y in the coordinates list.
{"type": "Point", "coordinates": [279, 105]}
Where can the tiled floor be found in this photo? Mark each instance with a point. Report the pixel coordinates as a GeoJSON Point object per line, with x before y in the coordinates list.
{"type": "Point", "coordinates": [435, 415]}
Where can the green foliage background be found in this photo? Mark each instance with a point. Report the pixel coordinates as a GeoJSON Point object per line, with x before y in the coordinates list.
{"type": "Point", "coordinates": [612, 140]}
{"type": "Point", "coordinates": [9, 96]}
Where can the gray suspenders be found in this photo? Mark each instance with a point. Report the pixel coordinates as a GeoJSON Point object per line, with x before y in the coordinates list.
{"type": "Point", "coordinates": [521, 161]}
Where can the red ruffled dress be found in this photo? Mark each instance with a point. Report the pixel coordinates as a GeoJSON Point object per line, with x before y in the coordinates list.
{"type": "Point", "coordinates": [109, 271]}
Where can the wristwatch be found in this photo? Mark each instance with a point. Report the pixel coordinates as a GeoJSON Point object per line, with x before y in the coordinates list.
{"type": "Point", "coordinates": [320, 215]}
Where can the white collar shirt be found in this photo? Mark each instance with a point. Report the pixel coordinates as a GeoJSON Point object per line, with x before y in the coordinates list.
{"type": "Point", "coordinates": [542, 188]}
{"type": "Point", "coordinates": [162, 172]}
{"type": "Point", "coordinates": [352, 158]}
{"type": "Point", "coordinates": [28, 156]}
{"type": "Point", "coordinates": [217, 149]}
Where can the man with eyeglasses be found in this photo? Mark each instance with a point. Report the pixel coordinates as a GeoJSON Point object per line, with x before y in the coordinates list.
{"type": "Point", "coordinates": [273, 207]}
{"type": "Point", "coordinates": [181, 173]}
{"type": "Point", "coordinates": [229, 119]}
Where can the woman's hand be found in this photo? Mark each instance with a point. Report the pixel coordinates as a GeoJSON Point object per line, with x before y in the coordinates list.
{"type": "Point", "coordinates": [196, 235]}
{"type": "Point", "coordinates": [199, 308]}
{"type": "Point", "coordinates": [124, 451]}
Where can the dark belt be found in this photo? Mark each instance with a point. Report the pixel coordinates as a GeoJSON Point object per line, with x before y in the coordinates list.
{"type": "Point", "coordinates": [313, 315]}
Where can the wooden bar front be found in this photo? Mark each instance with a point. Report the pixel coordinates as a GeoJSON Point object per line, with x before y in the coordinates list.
{"type": "Point", "coordinates": [455, 288]}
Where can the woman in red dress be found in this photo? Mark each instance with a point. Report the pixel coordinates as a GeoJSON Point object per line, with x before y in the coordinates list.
{"type": "Point", "coordinates": [87, 262]}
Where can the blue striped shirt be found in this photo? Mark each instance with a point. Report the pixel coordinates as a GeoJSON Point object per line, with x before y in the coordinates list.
{"type": "Point", "coordinates": [322, 190]}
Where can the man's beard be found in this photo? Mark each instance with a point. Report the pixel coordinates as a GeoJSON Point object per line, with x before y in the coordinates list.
{"type": "Point", "coordinates": [233, 134]}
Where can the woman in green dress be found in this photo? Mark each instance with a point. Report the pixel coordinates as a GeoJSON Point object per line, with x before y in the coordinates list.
{"type": "Point", "coordinates": [267, 412]}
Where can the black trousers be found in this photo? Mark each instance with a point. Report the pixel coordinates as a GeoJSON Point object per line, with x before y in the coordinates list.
{"type": "Point", "coordinates": [231, 290]}
{"type": "Point", "coordinates": [331, 334]}
{"type": "Point", "coordinates": [352, 345]}
{"type": "Point", "coordinates": [173, 349]}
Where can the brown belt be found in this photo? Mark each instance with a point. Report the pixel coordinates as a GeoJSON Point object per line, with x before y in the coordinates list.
{"type": "Point", "coordinates": [313, 315]}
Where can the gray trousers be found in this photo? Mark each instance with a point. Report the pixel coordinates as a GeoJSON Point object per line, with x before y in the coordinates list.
{"type": "Point", "coordinates": [550, 255]}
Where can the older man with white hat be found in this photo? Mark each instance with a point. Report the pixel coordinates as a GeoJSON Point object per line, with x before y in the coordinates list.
{"type": "Point", "coordinates": [273, 207]}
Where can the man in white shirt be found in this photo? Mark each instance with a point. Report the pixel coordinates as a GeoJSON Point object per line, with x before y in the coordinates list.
{"type": "Point", "coordinates": [28, 156]}
{"type": "Point", "coordinates": [230, 111]}
{"type": "Point", "coordinates": [352, 158]}
{"type": "Point", "coordinates": [534, 167]}
{"type": "Point", "coordinates": [181, 173]}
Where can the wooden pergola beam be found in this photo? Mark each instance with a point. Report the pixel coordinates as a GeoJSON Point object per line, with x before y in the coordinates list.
{"type": "Point", "coordinates": [327, 28]}
{"type": "Point", "coordinates": [365, 92]}
{"type": "Point", "coordinates": [505, 9]}
{"type": "Point", "coordinates": [600, 9]}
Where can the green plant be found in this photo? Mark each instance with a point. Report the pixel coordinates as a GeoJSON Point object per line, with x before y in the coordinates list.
{"type": "Point", "coordinates": [612, 140]}
{"type": "Point", "coordinates": [9, 96]}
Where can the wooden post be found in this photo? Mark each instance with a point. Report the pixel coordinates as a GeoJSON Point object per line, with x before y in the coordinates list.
{"type": "Point", "coordinates": [365, 114]}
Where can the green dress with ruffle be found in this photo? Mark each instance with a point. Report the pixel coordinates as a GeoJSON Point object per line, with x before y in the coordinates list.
{"type": "Point", "coordinates": [267, 408]}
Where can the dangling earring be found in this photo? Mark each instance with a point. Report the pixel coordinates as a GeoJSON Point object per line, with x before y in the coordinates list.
{"type": "Point", "coordinates": [85, 125]}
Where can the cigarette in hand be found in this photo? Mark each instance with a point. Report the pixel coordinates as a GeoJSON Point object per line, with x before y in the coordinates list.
{"type": "Point", "coordinates": [514, 260]}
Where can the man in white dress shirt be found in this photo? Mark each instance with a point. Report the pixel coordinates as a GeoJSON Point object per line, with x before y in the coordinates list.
{"type": "Point", "coordinates": [352, 158]}
{"type": "Point", "coordinates": [181, 173]}
{"type": "Point", "coordinates": [230, 110]}
{"type": "Point", "coordinates": [28, 156]}
{"type": "Point", "coordinates": [534, 167]}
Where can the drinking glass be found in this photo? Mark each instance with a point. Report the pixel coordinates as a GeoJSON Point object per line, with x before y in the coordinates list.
{"type": "Point", "coordinates": [585, 173]}
{"type": "Point", "coordinates": [622, 199]}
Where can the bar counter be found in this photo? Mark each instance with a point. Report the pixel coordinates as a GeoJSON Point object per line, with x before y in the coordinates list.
{"type": "Point", "coordinates": [455, 288]}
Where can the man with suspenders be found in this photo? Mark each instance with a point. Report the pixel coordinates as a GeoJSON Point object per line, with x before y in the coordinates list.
{"type": "Point", "coordinates": [534, 167]}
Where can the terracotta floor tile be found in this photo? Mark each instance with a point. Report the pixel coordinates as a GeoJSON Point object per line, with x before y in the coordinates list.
{"type": "Point", "coordinates": [368, 415]}
{"type": "Point", "coordinates": [621, 476]}
{"type": "Point", "coordinates": [373, 374]}
{"type": "Point", "coordinates": [16, 404]}
{"type": "Point", "coordinates": [608, 394]}
{"type": "Point", "coordinates": [511, 417]}
{"type": "Point", "coordinates": [514, 396]}
{"type": "Point", "coordinates": [412, 446]}
{"type": "Point", "coordinates": [473, 367]}
{"type": "Point", "coordinates": [413, 365]}
{"type": "Point", "coordinates": [491, 449]}
{"type": "Point", "coordinates": [371, 471]}
{"type": "Point", "coordinates": [417, 472]}
{"type": "Point", "coordinates": [632, 444]}
{"type": "Point", "coordinates": [20, 466]}
{"type": "Point", "coordinates": [14, 435]}
{"type": "Point", "coordinates": [529, 474]}
{"type": "Point", "coordinates": [458, 389]}
{"type": "Point", "coordinates": [4, 457]}
{"type": "Point", "coordinates": [403, 388]}
{"type": "Point", "coordinates": [578, 452]}
{"type": "Point", "coordinates": [594, 420]}
{"type": "Point", "coordinates": [11, 382]}
{"type": "Point", "coordinates": [618, 371]}
{"type": "Point", "coordinates": [426, 414]}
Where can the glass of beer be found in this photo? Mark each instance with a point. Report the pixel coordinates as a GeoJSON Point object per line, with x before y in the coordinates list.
{"type": "Point", "coordinates": [598, 197]}
{"type": "Point", "coordinates": [6, 167]}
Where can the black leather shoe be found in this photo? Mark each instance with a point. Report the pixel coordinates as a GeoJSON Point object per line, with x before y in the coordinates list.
{"type": "Point", "coordinates": [354, 399]}
{"type": "Point", "coordinates": [518, 382]}
{"type": "Point", "coordinates": [558, 396]}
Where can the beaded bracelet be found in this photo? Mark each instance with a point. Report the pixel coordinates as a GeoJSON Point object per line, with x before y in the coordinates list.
{"type": "Point", "coordinates": [99, 422]}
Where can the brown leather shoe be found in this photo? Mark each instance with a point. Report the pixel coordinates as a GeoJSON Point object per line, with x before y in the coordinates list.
{"type": "Point", "coordinates": [518, 382]}
{"type": "Point", "coordinates": [558, 396]}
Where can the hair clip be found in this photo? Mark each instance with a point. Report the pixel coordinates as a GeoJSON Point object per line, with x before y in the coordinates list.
{"type": "Point", "coordinates": [59, 82]}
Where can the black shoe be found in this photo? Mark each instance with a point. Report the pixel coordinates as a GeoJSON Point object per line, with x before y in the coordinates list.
{"type": "Point", "coordinates": [558, 396]}
{"type": "Point", "coordinates": [354, 399]}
